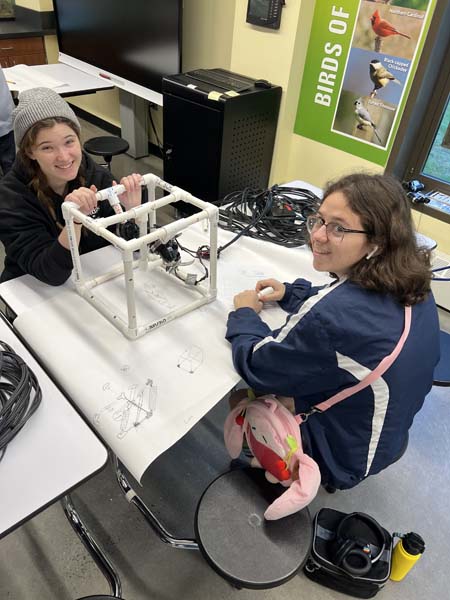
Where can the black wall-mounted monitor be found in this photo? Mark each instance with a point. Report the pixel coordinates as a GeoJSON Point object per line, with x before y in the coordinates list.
{"type": "Point", "coordinates": [265, 13]}
{"type": "Point", "coordinates": [135, 43]}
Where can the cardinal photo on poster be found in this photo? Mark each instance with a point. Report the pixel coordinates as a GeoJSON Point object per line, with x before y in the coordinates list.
{"type": "Point", "coordinates": [390, 27]}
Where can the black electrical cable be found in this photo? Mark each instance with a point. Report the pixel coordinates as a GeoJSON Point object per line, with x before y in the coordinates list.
{"type": "Point", "coordinates": [276, 215]}
{"type": "Point", "coordinates": [152, 123]}
{"type": "Point", "coordinates": [20, 395]}
{"type": "Point", "coordinates": [196, 255]}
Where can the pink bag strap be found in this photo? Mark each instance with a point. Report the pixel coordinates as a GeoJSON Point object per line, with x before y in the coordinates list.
{"type": "Point", "coordinates": [383, 366]}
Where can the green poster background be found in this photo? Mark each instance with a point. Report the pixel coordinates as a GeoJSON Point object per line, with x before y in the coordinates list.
{"type": "Point", "coordinates": [315, 121]}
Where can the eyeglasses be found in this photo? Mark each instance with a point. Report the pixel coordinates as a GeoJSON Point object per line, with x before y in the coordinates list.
{"type": "Point", "coordinates": [334, 230]}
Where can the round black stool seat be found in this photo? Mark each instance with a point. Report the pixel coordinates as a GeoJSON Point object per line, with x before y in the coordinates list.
{"type": "Point", "coordinates": [239, 543]}
{"type": "Point", "coordinates": [106, 146]}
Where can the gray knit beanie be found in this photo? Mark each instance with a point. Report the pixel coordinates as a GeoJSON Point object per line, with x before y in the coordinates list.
{"type": "Point", "coordinates": [38, 104]}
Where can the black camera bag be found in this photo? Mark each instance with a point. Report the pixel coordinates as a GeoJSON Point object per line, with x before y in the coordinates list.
{"type": "Point", "coordinates": [351, 553]}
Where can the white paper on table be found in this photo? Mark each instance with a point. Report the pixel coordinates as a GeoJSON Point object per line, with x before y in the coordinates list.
{"type": "Point", "coordinates": [23, 77]}
{"type": "Point", "coordinates": [144, 395]}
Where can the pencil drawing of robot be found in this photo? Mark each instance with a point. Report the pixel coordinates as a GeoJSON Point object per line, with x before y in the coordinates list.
{"type": "Point", "coordinates": [131, 408]}
{"type": "Point", "coordinates": [155, 293]}
{"type": "Point", "coordinates": [191, 359]}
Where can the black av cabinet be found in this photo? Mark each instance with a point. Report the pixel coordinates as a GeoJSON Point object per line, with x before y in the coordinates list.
{"type": "Point", "coordinates": [219, 131]}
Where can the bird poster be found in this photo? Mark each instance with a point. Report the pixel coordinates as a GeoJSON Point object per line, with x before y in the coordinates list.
{"type": "Point", "coordinates": [360, 64]}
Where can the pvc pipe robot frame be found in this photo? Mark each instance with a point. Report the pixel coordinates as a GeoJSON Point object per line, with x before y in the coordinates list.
{"type": "Point", "coordinates": [149, 234]}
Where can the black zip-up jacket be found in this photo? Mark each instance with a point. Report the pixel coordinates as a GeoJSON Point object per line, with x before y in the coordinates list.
{"type": "Point", "coordinates": [29, 232]}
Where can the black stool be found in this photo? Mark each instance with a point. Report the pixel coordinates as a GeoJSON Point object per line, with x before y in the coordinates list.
{"type": "Point", "coordinates": [106, 146]}
{"type": "Point", "coordinates": [239, 543]}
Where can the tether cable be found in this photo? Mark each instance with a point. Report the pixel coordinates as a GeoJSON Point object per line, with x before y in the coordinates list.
{"type": "Point", "coordinates": [276, 215]}
{"type": "Point", "coordinates": [20, 395]}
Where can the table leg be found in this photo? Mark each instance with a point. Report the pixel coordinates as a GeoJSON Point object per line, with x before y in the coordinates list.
{"type": "Point", "coordinates": [101, 560]}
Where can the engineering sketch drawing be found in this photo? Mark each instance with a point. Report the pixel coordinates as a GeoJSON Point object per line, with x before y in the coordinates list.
{"type": "Point", "coordinates": [131, 408]}
{"type": "Point", "coordinates": [191, 359]}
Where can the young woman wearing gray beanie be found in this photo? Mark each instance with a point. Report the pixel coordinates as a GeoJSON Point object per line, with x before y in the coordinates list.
{"type": "Point", "coordinates": [50, 167]}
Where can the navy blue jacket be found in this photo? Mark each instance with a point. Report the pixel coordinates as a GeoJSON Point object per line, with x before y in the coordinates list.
{"type": "Point", "coordinates": [335, 335]}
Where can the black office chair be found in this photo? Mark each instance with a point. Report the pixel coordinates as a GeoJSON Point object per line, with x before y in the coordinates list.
{"type": "Point", "coordinates": [106, 146]}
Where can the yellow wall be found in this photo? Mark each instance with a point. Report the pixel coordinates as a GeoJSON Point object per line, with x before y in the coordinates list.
{"type": "Point", "coordinates": [279, 56]}
{"type": "Point", "coordinates": [40, 5]}
{"type": "Point", "coordinates": [207, 33]}
{"type": "Point", "coordinates": [31, 4]}
{"type": "Point", "coordinates": [215, 34]}
{"type": "Point", "coordinates": [283, 53]}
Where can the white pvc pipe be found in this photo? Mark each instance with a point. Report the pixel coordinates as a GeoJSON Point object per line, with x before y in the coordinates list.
{"type": "Point", "coordinates": [67, 208]}
{"type": "Point", "coordinates": [146, 217]}
{"type": "Point", "coordinates": [108, 311]}
{"type": "Point", "coordinates": [213, 253]}
{"type": "Point", "coordinates": [129, 286]}
{"type": "Point", "coordinates": [174, 314]}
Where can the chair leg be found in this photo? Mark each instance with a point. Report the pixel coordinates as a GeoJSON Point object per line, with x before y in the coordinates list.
{"type": "Point", "coordinates": [101, 560]}
{"type": "Point", "coordinates": [152, 520]}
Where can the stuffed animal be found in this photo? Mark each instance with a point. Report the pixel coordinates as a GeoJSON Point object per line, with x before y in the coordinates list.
{"type": "Point", "coordinates": [273, 436]}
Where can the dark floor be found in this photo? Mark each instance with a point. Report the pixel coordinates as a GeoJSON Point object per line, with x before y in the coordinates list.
{"type": "Point", "coordinates": [44, 560]}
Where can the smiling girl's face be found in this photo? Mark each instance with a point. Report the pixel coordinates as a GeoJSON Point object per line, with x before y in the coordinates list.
{"type": "Point", "coordinates": [338, 256]}
{"type": "Point", "coordinates": [57, 150]}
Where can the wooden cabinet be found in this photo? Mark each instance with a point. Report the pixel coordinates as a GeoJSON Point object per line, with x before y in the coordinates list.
{"type": "Point", "coordinates": [26, 51]}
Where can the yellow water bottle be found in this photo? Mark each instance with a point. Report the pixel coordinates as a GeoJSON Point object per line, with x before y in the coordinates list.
{"type": "Point", "coordinates": [406, 553]}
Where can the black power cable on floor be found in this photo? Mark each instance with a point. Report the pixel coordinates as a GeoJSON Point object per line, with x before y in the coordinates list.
{"type": "Point", "coordinates": [20, 395]}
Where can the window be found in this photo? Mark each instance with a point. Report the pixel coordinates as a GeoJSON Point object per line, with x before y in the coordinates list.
{"type": "Point", "coordinates": [437, 163]}
{"type": "Point", "coordinates": [422, 147]}
{"type": "Point", "coordinates": [430, 163]}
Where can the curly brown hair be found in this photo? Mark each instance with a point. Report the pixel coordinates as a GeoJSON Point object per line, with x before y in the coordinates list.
{"type": "Point", "coordinates": [38, 182]}
{"type": "Point", "coordinates": [399, 267]}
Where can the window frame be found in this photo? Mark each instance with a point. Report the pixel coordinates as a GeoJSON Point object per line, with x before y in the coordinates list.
{"type": "Point", "coordinates": [423, 111]}
{"type": "Point", "coordinates": [430, 126]}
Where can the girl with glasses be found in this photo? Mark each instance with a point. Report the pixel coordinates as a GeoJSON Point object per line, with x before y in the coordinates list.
{"type": "Point", "coordinates": [336, 335]}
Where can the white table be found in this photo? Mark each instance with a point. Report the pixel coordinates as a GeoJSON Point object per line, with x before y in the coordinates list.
{"type": "Point", "coordinates": [114, 365]}
{"type": "Point", "coordinates": [133, 109]}
{"type": "Point", "coordinates": [53, 453]}
{"type": "Point", "coordinates": [74, 81]}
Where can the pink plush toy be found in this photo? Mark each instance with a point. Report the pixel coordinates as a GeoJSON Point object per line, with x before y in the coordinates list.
{"type": "Point", "coordinates": [273, 436]}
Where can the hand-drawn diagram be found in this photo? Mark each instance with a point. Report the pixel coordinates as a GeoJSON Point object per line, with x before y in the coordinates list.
{"type": "Point", "coordinates": [243, 279]}
{"type": "Point", "coordinates": [131, 408]}
{"type": "Point", "coordinates": [191, 359]}
{"type": "Point", "coordinates": [155, 293]}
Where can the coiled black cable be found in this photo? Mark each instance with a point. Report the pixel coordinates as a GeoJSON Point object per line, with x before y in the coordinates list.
{"type": "Point", "coordinates": [20, 395]}
{"type": "Point", "coordinates": [276, 215]}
